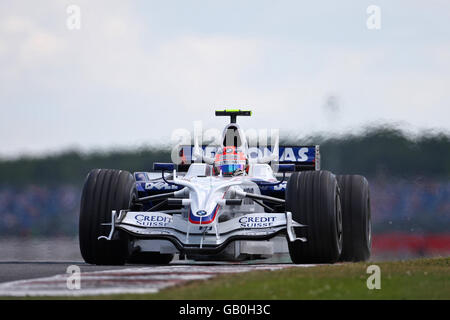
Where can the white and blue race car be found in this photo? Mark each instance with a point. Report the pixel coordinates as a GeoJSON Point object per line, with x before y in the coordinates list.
{"type": "Point", "coordinates": [226, 203]}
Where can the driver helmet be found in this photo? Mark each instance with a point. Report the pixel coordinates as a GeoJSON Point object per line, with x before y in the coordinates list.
{"type": "Point", "coordinates": [230, 161]}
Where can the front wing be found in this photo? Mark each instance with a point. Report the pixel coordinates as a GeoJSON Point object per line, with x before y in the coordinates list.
{"type": "Point", "coordinates": [202, 238]}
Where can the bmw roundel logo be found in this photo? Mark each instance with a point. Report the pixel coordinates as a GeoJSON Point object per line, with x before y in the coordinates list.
{"type": "Point", "coordinates": [201, 213]}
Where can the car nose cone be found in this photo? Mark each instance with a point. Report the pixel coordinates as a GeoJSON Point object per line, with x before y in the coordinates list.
{"type": "Point", "coordinates": [201, 213]}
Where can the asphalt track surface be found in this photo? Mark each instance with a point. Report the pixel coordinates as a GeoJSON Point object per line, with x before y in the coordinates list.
{"type": "Point", "coordinates": [21, 270]}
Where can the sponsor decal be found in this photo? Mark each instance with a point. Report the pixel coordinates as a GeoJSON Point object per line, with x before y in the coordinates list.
{"type": "Point", "coordinates": [294, 154]}
{"type": "Point", "coordinates": [287, 154]}
{"type": "Point", "coordinates": [278, 187]}
{"type": "Point", "coordinates": [153, 220]}
{"type": "Point", "coordinates": [257, 222]}
{"type": "Point", "coordinates": [160, 185]}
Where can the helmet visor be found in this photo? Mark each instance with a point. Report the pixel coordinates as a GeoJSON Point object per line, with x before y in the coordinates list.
{"type": "Point", "coordinates": [230, 168]}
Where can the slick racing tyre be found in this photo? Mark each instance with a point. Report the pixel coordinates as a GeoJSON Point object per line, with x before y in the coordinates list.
{"type": "Point", "coordinates": [104, 190]}
{"type": "Point", "coordinates": [313, 199]}
{"type": "Point", "coordinates": [355, 217]}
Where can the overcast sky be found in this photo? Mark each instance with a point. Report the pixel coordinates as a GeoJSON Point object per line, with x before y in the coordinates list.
{"type": "Point", "coordinates": [137, 70]}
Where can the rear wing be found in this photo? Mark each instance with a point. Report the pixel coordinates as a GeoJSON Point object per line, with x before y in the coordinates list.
{"type": "Point", "coordinates": [305, 158]}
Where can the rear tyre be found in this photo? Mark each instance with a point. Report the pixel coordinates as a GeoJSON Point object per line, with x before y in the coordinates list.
{"type": "Point", "coordinates": [313, 198]}
{"type": "Point", "coordinates": [104, 190]}
{"type": "Point", "coordinates": [355, 217]}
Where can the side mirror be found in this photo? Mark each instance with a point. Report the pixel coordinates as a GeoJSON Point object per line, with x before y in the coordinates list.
{"type": "Point", "coordinates": [161, 166]}
{"type": "Point", "coordinates": [289, 167]}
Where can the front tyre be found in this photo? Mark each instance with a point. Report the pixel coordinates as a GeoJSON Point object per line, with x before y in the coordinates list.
{"type": "Point", "coordinates": [313, 199]}
{"type": "Point", "coordinates": [356, 217]}
{"type": "Point", "coordinates": [104, 190]}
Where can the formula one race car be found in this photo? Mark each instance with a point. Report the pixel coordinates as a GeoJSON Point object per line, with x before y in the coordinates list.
{"type": "Point", "coordinates": [226, 202]}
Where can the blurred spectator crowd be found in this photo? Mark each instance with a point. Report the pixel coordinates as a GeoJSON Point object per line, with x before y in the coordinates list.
{"type": "Point", "coordinates": [417, 206]}
{"type": "Point", "coordinates": [39, 211]}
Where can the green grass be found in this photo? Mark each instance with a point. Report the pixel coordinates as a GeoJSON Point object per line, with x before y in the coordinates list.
{"type": "Point", "coordinates": [411, 279]}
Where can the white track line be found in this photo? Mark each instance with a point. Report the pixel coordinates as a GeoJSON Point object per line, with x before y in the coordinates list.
{"type": "Point", "coordinates": [131, 280]}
